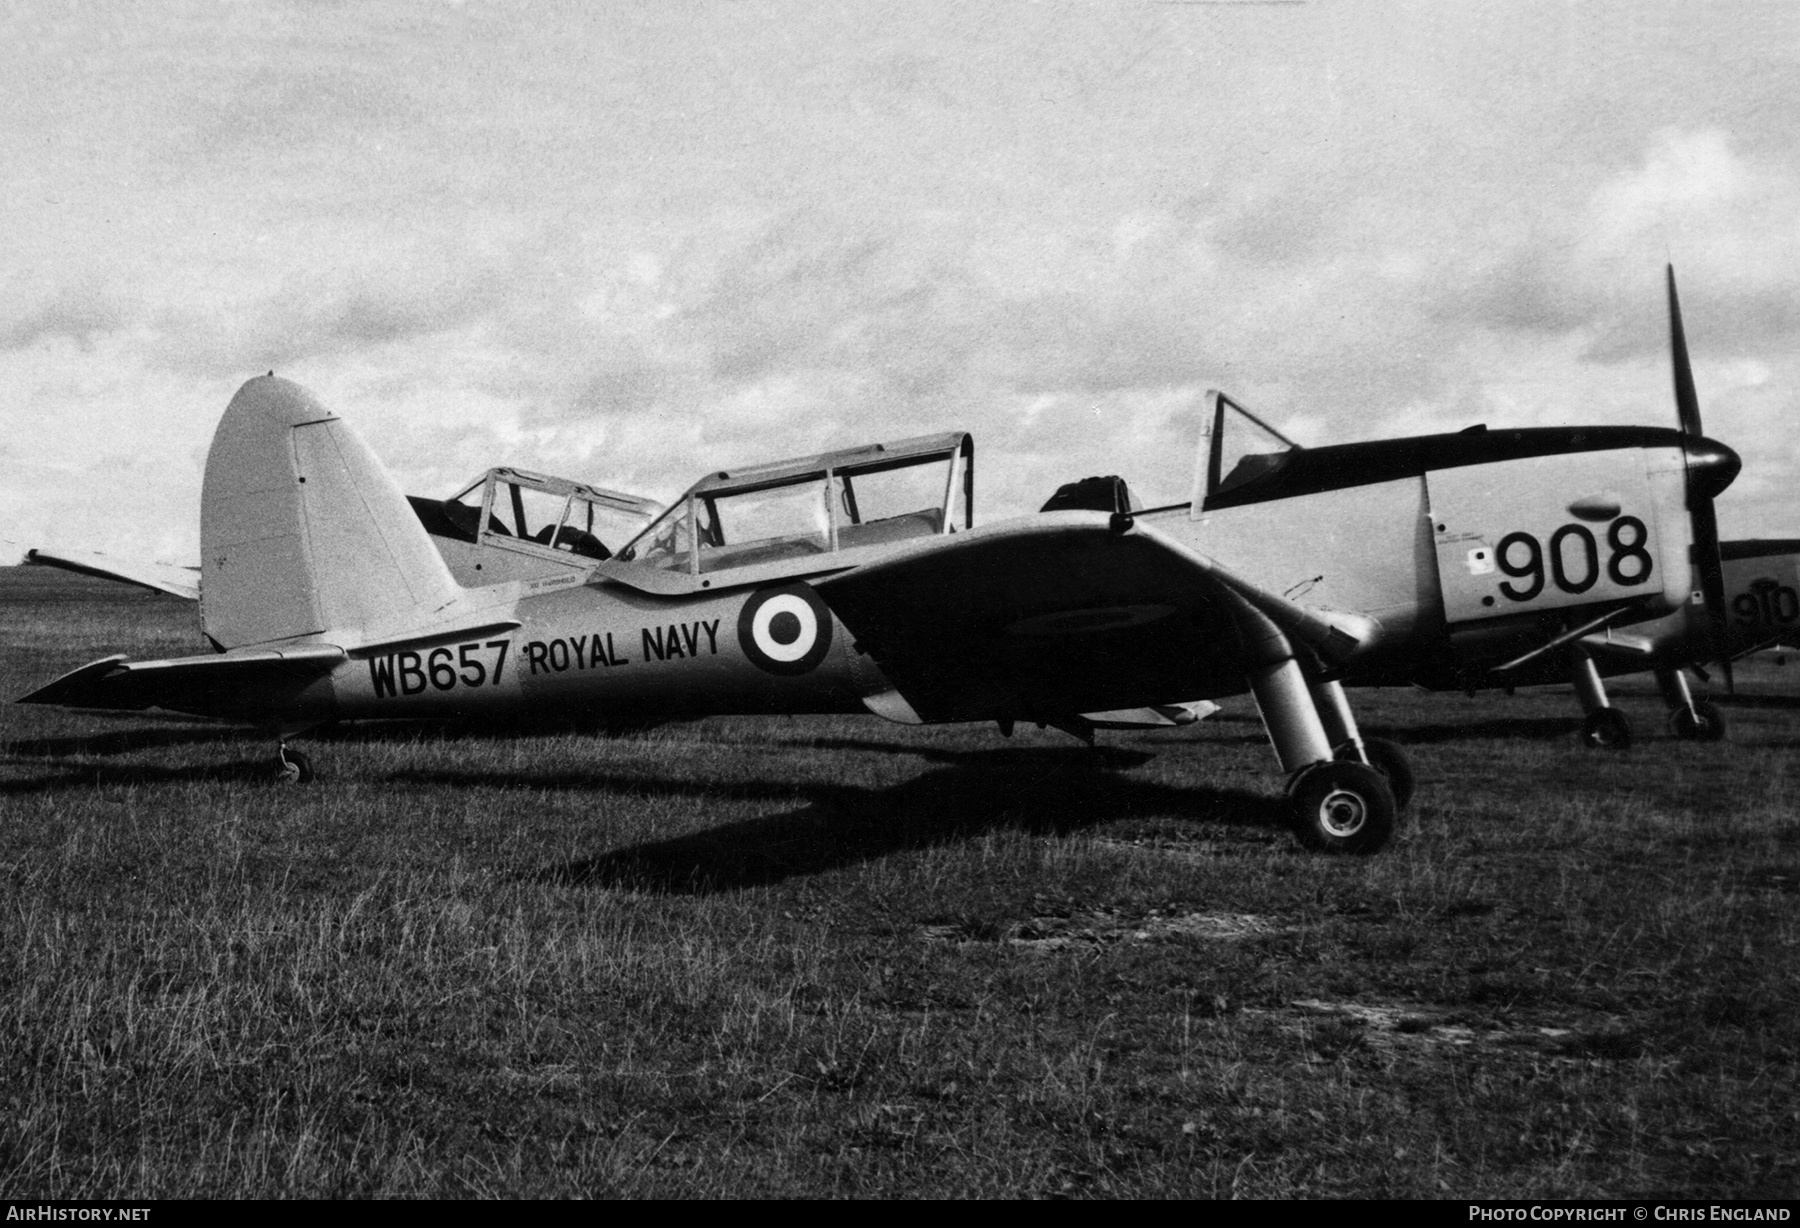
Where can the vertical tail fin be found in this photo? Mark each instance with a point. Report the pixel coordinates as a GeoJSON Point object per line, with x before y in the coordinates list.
{"type": "Point", "coordinates": [303, 532]}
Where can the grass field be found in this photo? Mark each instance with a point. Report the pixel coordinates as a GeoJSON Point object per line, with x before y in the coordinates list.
{"type": "Point", "coordinates": [833, 956]}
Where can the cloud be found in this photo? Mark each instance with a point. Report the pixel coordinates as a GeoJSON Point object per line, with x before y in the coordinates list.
{"type": "Point", "coordinates": [77, 311]}
{"type": "Point", "coordinates": [341, 293]}
{"type": "Point", "coordinates": [276, 107]}
{"type": "Point", "coordinates": [1722, 216]}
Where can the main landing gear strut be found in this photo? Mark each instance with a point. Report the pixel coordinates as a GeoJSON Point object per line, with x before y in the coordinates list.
{"type": "Point", "coordinates": [1606, 727]}
{"type": "Point", "coordinates": [1691, 719]}
{"type": "Point", "coordinates": [1340, 797]}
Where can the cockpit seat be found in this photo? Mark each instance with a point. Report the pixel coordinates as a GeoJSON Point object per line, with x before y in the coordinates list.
{"type": "Point", "coordinates": [578, 541]}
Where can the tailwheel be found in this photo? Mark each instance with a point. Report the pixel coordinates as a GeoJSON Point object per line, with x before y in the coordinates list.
{"type": "Point", "coordinates": [1342, 807]}
{"type": "Point", "coordinates": [1606, 729]}
{"type": "Point", "coordinates": [1705, 723]}
{"type": "Point", "coordinates": [1393, 763]}
{"type": "Point", "coordinates": [292, 767]}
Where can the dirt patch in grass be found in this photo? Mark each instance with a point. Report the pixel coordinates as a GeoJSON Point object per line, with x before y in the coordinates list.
{"type": "Point", "coordinates": [1094, 930]}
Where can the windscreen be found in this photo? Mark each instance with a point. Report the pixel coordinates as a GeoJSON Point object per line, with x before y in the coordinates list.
{"type": "Point", "coordinates": [1244, 448]}
{"type": "Point", "coordinates": [668, 542]}
{"type": "Point", "coordinates": [596, 529]}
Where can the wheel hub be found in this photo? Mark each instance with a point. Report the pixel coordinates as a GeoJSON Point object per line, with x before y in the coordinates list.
{"type": "Point", "coordinates": [1343, 813]}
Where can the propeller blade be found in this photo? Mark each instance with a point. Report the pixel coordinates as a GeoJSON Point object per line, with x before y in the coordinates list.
{"type": "Point", "coordinates": [1687, 405]}
{"type": "Point", "coordinates": [1712, 573]}
{"type": "Point", "coordinates": [1700, 505]}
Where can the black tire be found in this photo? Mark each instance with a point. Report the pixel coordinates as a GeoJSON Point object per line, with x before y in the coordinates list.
{"type": "Point", "coordinates": [1606, 729]}
{"type": "Point", "coordinates": [1392, 762]}
{"type": "Point", "coordinates": [1704, 724]}
{"type": "Point", "coordinates": [292, 767]}
{"type": "Point", "coordinates": [1342, 807]}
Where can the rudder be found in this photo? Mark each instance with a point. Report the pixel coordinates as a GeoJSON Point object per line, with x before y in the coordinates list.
{"type": "Point", "coordinates": [303, 532]}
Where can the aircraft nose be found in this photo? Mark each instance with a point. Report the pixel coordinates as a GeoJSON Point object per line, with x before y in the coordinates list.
{"type": "Point", "coordinates": [1711, 466]}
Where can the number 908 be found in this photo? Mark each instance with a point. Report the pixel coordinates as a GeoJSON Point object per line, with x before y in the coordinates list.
{"type": "Point", "coordinates": [1572, 562]}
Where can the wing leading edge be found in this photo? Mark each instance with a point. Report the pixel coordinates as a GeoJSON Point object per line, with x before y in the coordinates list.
{"type": "Point", "coordinates": [1070, 612]}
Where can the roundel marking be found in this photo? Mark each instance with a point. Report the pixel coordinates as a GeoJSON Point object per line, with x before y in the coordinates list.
{"type": "Point", "coordinates": [785, 630]}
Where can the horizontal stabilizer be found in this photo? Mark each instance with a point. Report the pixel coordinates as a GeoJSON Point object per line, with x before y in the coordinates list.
{"type": "Point", "coordinates": [177, 581]}
{"type": "Point", "coordinates": [212, 685]}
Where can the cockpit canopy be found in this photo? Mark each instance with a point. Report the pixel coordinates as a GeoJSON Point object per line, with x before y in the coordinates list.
{"type": "Point", "coordinates": [518, 507]}
{"type": "Point", "coordinates": [814, 505]}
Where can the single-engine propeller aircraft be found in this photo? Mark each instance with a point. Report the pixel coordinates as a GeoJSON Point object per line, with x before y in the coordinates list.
{"type": "Point", "coordinates": [856, 580]}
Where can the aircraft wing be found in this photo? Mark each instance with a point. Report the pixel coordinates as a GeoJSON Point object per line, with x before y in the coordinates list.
{"type": "Point", "coordinates": [1161, 716]}
{"type": "Point", "coordinates": [169, 578]}
{"type": "Point", "coordinates": [191, 684]}
{"type": "Point", "coordinates": [1066, 612]}
{"type": "Point", "coordinates": [1623, 646]}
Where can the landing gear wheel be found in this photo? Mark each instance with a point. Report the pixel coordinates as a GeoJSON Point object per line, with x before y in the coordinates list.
{"type": "Point", "coordinates": [1342, 807]}
{"type": "Point", "coordinates": [1606, 729]}
{"type": "Point", "coordinates": [292, 767]}
{"type": "Point", "coordinates": [1395, 767]}
{"type": "Point", "coordinates": [1704, 724]}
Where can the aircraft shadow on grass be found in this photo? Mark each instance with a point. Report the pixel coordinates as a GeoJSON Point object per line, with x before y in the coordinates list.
{"type": "Point", "coordinates": [1045, 757]}
{"type": "Point", "coordinates": [1529, 728]}
{"type": "Point", "coordinates": [55, 752]}
{"type": "Point", "coordinates": [91, 775]}
{"type": "Point", "coordinates": [1047, 793]}
{"type": "Point", "coordinates": [118, 742]}
{"type": "Point", "coordinates": [1786, 703]}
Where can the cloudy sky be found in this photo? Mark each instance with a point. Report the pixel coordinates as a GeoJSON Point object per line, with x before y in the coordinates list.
{"type": "Point", "coordinates": [627, 243]}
